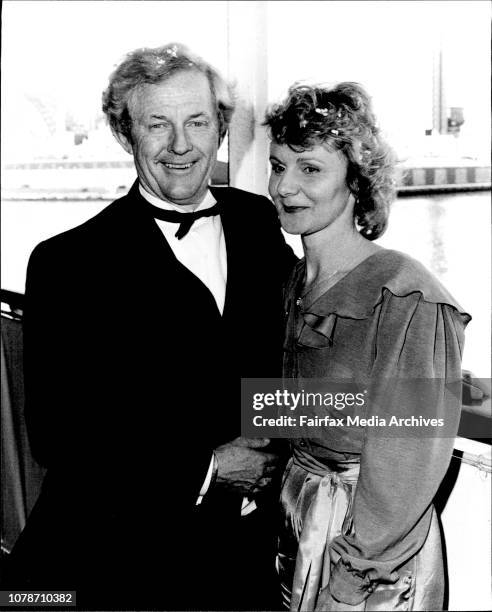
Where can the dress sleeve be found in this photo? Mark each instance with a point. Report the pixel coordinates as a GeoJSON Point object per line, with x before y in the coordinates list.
{"type": "Point", "coordinates": [416, 373]}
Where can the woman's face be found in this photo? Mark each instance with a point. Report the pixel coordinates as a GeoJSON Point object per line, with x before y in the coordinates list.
{"type": "Point", "coordinates": [309, 188]}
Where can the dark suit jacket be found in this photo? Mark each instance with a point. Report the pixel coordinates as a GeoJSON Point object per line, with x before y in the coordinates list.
{"type": "Point", "coordinates": [132, 379]}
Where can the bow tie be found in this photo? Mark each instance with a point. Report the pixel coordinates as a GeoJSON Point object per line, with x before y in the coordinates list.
{"type": "Point", "coordinates": [185, 220]}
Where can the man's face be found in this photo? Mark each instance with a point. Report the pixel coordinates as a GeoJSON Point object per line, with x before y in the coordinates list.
{"type": "Point", "coordinates": [174, 137]}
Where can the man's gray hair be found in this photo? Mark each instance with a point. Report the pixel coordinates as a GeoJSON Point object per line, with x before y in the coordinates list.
{"type": "Point", "coordinates": [153, 66]}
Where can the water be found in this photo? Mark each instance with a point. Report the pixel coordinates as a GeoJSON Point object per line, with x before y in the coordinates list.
{"type": "Point", "coordinates": [450, 234]}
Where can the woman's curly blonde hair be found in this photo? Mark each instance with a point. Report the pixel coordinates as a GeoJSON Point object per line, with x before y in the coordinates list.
{"type": "Point", "coordinates": [342, 117]}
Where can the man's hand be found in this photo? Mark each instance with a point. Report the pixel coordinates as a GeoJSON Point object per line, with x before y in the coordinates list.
{"type": "Point", "coordinates": [244, 467]}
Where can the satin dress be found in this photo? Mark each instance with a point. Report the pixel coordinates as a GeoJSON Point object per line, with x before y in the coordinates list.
{"type": "Point", "coordinates": [358, 527]}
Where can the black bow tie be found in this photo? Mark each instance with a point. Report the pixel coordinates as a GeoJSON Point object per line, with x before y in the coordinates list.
{"type": "Point", "coordinates": [185, 220]}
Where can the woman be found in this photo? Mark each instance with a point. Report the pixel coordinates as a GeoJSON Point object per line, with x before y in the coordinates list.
{"type": "Point", "coordinates": [359, 530]}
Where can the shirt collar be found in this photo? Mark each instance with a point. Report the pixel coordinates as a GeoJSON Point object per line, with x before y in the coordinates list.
{"type": "Point", "coordinates": [207, 202]}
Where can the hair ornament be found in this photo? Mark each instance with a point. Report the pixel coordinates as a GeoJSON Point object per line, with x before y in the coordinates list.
{"type": "Point", "coordinates": [173, 51]}
{"type": "Point", "coordinates": [322, 111]}
{"type": "Point", "coordinates": [160, 61]}
{"type": "Point", "coordinates": [334, 132]}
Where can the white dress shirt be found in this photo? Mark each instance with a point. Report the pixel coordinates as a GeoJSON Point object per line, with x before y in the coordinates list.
{"type": "Point", "coordinates": [203, 252]}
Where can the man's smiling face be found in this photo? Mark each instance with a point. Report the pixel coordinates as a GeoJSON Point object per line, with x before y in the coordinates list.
{"type": "Point", "coordinates": [174, 137]}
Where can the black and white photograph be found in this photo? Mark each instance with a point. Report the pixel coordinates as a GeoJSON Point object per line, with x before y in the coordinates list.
{"type": "Point", "coordinates": [246, 305]}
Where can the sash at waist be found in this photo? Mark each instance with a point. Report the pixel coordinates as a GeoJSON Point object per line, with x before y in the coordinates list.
{"type": "Point", "coordinates": [323, 490]}
{"type": "Point", "coordinates": [348, 470]}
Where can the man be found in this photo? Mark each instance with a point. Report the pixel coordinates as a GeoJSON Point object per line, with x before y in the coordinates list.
{"type": "Point", "coordinates": [138, 326]}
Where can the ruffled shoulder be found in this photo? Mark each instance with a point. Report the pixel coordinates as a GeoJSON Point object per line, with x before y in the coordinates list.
{"type": "Point", "coordinates": [358, 293]}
